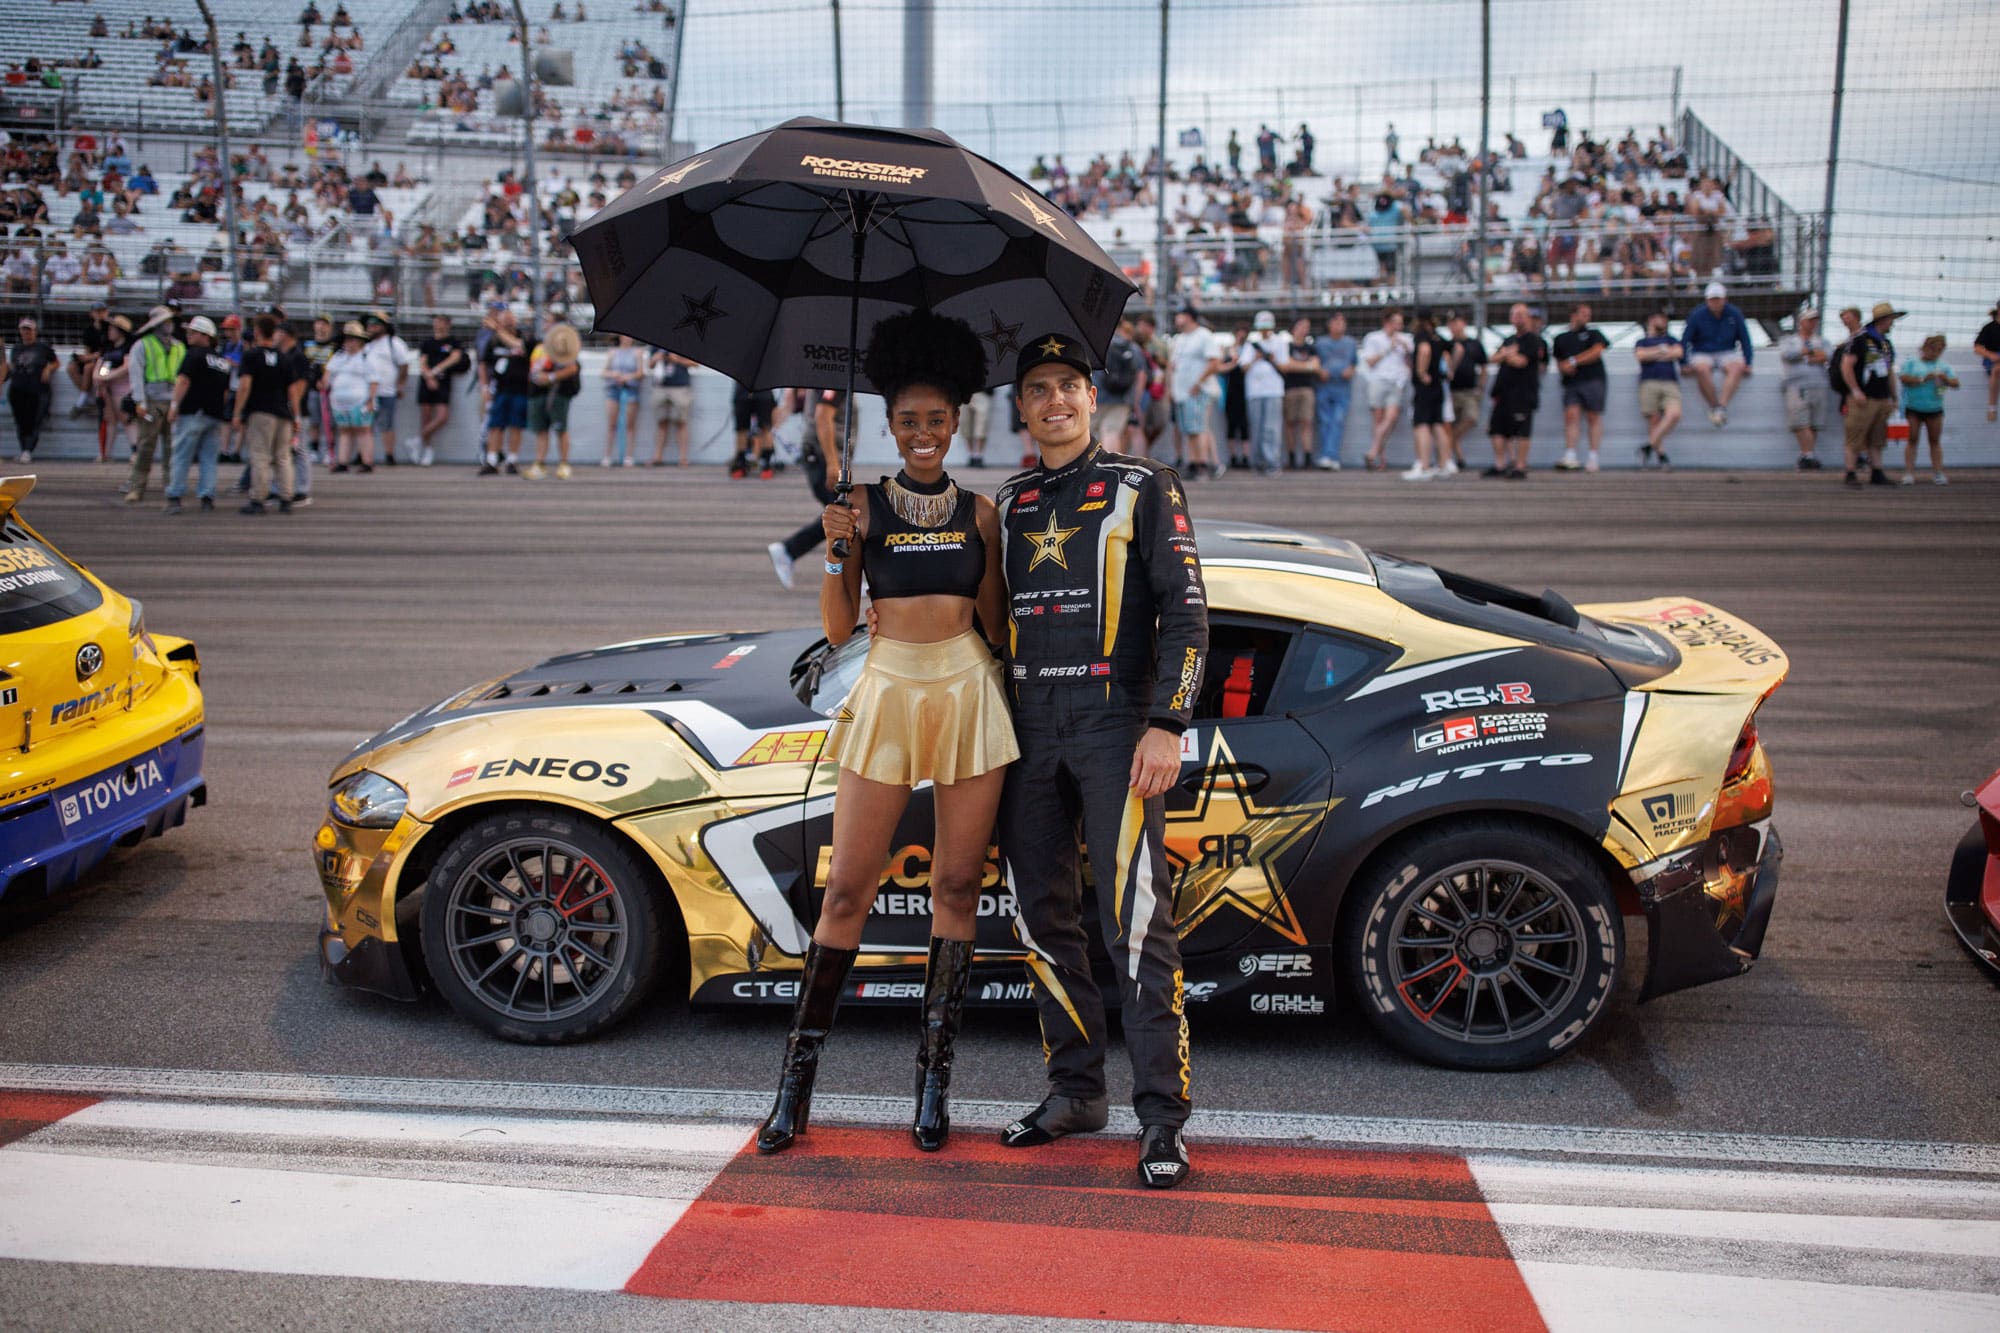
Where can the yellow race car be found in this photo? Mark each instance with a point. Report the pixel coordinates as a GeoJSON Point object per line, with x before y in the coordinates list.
{"type": "Point", "coordinates": [1406, 789]}
{"type": "Point", "coordinates": [100, 721]}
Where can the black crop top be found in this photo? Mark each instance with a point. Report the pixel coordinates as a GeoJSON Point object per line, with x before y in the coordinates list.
{"type": "Point", "coordinates": [903, 560]}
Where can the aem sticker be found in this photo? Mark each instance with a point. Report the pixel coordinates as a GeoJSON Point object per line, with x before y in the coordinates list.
{"type": "Point", "coordinates": [784, 747]}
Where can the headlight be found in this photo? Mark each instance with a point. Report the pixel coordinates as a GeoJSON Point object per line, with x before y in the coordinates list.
{"type": "Point", "coordinates": [369, 800]}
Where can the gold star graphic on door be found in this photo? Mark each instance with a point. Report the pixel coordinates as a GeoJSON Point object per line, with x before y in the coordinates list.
{"type": "Point", "coordinates": [1225, 851]}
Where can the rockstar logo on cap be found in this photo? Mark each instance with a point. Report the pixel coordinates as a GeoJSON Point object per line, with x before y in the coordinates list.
{"type": "Point", "coordinates": [1051, 347]}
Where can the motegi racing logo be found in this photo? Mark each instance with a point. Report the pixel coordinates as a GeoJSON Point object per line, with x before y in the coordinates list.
{"type": "Point", "coordinates": [107, 794]}
{"type": "Point", "coordinates": [1477, 731]}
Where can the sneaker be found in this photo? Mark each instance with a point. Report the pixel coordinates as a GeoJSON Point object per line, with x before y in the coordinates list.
{"type": "Point", "coordinates": [1517, 474]}
{"type": "Point", "coordinates": [604, 462]}
{"type": "Point", "coordinates": [765, 474]}
{"type": "Point", "coordinates": [781, 561]}
{"type": "Point", "coordinates": [1417, 472]}
{"type": "Point", "coordinates": [562, 471]}
{"type": "Point", "coordinates": [173, 509]}
{"type": "Point", "coordinates": [302, 501]}
{"type": "Point", "coordinates": [389, 456]}
{"type": "Point", "coordinates": [1645, 456]}
{"type": "Point", "coordinates": [338, 467]}
{"type": "Point", "coordinates": [1716, 416]}
{"type": "Point", "coordinates": [1666, 464]}
{"type": "Point", "coordinates": [485, 470]}
{"type": "Point", "coordinates": [534, 472]}
{"type": "Point", "coordinates": [1568, 463]}
{"type": "Point", "coordinates": [1450, 468]}
{"type": "Point", "coordinates": [364, 467]}
{"type": "Point", "coordinates": [428, 457]}
{"type": "Point", "coordinates": [134, 497]}
{"type": "Point", "coordinates": [1220, 469]}
{"type": "Point", "coordinates": [1851, 480]}
{"type": "Point", "coordinates": [1877, 477]}
{"type": "Point", "coordinates": [1908, 479]}
{"type": "Point", "coordinates": [1327, 465]}
{"type": "Point", "coordinates": [207, 504]}
{"type": "Point", "coordinates": [1807, 462]}
{"type": "Point", "coordinates": [284, 506]}
{"type": "Point", "coordinates": [1590, 462]}
{"type": "Point", "coordinates": [631, 463]}
{"type": "Point", "coordinates": [511, 470]}
{"type": "Point", "coordinates": [977, 460]}
{"type": "Point", "coordinates": [1940, 479]}
{"type": "Point", "coordinates": [1495, 471]}
{"type": "Point", "coordinates": [254, 507]}
{"type": "Point", "coordinates": [24, 457]}
{"type": "Point", "coordinates": [736, 474]}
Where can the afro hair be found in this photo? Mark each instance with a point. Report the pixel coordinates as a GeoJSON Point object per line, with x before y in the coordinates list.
{"type": "Point", "coordinates": [924, 348]}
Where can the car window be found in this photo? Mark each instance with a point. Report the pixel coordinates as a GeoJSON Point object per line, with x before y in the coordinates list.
{"type": "Point", "coordinates": [1327, 668]}
{"type": "Point", "coordinates": [37, 586]}
{"type": "Point", "coordinates": [1244, 659]}
{"type": "Point", "coordinates": [825, 674]}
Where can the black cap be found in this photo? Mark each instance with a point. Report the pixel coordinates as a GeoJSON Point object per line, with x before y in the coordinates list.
{"type": "Point", "coordinates": [1057, 348]}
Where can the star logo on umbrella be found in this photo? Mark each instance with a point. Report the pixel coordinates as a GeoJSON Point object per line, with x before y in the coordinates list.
{"type": "Point", "coordinates": [677, 175]}
{"type": "Point", "coordinates": [1004, 337]}
{"type": "Point", "coordinates": [1225, 851]}
{"type": "Point", "coordinates": [699, 311]}
{"type": "Point", "coordinates": [1048, 544]}
{"type": "Point", "coordinates": [1042, 217]}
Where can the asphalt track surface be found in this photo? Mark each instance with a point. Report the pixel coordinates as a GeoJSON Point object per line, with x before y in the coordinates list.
{"type": "Point", "coordinates": [1865, 1019]}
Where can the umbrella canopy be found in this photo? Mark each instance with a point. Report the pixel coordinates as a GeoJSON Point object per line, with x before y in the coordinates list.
{"type": "Point", "coordinates": [768, 257]}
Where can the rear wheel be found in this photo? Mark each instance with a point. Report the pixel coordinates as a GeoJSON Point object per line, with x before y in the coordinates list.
{"type": "Point", "coordinates": [1483, 945]}
{"type": "Point", "coordinates": [540, 927]}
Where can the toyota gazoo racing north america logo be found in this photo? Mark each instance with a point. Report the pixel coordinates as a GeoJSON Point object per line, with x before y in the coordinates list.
{"type": "Point", "coordinates": [89, 661]}
{"type": "Point", "coordinates": [107, 794]}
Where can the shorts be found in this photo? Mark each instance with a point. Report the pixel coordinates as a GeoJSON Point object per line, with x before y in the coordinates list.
{"type": "Point", "coordinates": [385, 411]}
{"type": "Point", "coordinates": [353, 418]}
{"type": "Point", "coordinates": [1465, 405]}
{"type": "Point", "coordinates": [1655, 396]}
{"type": "Point", "coordinates": [1112, 420]}
{"type": "Point", "coordinates": [1586, 394]}
{"type": "Point", "coordinates": [1427, 406]}
{"type": "Point", "coordinates": [508, 411]}
{"type": "Point", "coordinates": [1299, 406]}
{"type": "Point", "coordinates": [548, 411]}
{"type": "Point", "coordinates": [1810, 407]}
{"type": "Point", "coordinates": [673, 404]}
{"type": "Point", "coordinates": [1562, 248]}
{"type": "Point", "coordinates": [974, 417]}
{"type": "Point", "coordinates": [1193, 414]}
{"type": "Point", "coordinates": [1732, 356]}
{"type": "Point", "coordinates": [1916, 419]}
{"type": "Point", "coordinates": [1386, 393]}
{"type": "Point", "coordinates": [621, 394]}
{"type": "Point", "coordinates": [754, 411]}
{"type": "Point", "coordinates": [429, 397]}
{"type": "Point", "coordinates": [1511, 421]}
{"type": "Point", "coordinates": [924, 711]}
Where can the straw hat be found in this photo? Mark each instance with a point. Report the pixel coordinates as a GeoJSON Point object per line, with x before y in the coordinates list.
{"type": "Point", "coordinates": [563, 344]}
{"type": "Point", "coordinates": [157, 317]}
{"type": "Point", "coordinates": [353, 329]}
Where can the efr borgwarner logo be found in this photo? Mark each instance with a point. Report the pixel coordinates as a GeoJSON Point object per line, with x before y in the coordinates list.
{"type": "Point", "coordinates": [880, 173]}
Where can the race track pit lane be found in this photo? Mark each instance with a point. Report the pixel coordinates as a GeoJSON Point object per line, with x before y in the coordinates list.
{"type": "Point", "coordinates": [654, 1195]}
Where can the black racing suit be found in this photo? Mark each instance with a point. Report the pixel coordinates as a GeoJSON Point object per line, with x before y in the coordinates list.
{"type": "Point", "coordinates": [1108, 633]}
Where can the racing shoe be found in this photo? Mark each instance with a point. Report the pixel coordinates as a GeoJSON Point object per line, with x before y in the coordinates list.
{"type": "Point", "coordinates": [944, 1005]}
{"type": "Point", "coordinates": [1163, 1156]}
{"type": "Point", "coordinates": [819, 995]}
{"type": "Point", "coordinates": [1055, 1117]}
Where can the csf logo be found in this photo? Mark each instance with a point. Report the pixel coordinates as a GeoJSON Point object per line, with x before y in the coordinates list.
{"type": "Point", "coordinates": [1478, 696]}
{"type": "Point", "coordinates": [1275, 964]}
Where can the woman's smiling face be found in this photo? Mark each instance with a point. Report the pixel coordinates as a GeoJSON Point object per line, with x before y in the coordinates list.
{"type": "Point", "coordinates": [923, 421]}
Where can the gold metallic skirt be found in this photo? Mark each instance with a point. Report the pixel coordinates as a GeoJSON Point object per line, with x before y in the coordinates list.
{"type": "Point", "coordinates": [924, 710]}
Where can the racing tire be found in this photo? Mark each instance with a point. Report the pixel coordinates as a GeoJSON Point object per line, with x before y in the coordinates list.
{"type": "Point", "coordinates": [541, 927]}
{"type": "Point", "coordinates": [1483, 945]}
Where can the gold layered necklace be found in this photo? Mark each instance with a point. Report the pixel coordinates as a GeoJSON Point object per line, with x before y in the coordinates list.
{"type": "Point", "coordinates": [918, 509]}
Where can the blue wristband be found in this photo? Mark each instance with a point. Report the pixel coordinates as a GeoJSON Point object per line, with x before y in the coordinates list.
{"type": "Point", "coordinates": [835, 567]}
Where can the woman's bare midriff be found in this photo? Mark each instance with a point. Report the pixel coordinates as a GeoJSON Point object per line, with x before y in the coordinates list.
{"type": "Point", "coordinates": [928, 619]}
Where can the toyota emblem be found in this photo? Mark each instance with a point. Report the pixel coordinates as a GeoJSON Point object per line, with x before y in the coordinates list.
{"type": "Point", "coordinates": [89, 661]}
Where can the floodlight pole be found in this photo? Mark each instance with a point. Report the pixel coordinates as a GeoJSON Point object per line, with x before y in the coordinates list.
{"type": "Point", "coordinates": [222, 147]}
{"type": "Point", "coordinates": [534, 203]}
{"type": "Point", "coordinates": [1485, 161]}
{"type": "Point", "coordinates": [1832, 158]}
{"type": "Point", "coordinates": [674, 88]}
{"type": "Point", "coordinates": [1160, 190]}
{"type": "Point", "coordinates": [839, 81]}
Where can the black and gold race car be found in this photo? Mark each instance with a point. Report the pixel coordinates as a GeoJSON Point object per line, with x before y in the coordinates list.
{"type": "Point", "coordinates": [1432, 795]}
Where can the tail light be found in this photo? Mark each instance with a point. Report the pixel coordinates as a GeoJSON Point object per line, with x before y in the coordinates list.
{"type": "Point", "coordinates": [1746, 783]}
{"type": "Point", "coordinates": [1739, 758]}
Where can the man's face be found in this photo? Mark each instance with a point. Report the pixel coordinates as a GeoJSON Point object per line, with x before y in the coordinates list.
{"type": "Point", "coordinates": [1715, 304]}
{"type": "Point", "coordinates": [1656, 325]}
{"type": "Point", "coordinates": [1808, 326]}
{"type": "Point", "coordinates": [1393, 324]}
{"type": "Point", "coordinates": [1301, 330]}
{"type": "Point", "coordinates": [27, 330]}
{"type": "Point", "coordinates": [1056, 402]}
{"type": "Point", "coordinates": [440, 325]}
{"type": "Point", "coordinates": [1579, 317]}
{"type": "Point", "coordinates": [1518, 316]}
{"type": "Point", "coordinates": [1336, 327]}
{"type": "Point", "coordinates": [1183, 321]}
{"type": "Point", "coordinates": [1456, 326]}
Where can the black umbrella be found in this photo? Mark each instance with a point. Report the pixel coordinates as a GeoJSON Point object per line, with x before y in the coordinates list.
{"type": "Point", "coordinates": [762, 258]}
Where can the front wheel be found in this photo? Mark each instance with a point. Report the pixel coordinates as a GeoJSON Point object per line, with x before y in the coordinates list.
{"type": "Point", "coordinates": [540, 927]}
{"type": "Point", "coordinates": [1484, 945]}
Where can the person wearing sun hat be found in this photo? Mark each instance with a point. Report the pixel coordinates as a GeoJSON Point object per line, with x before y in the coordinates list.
{"type": "Point", "coordinates": [554, 379]}
{"type": "Point", "coordinates": [350, 387]}
{"type": "Point", "coordinates": [1868, 371]}
{"type": "Point", "coordinates": [159, 356]}
{"type": "Point", "coordinates": [392, 359]}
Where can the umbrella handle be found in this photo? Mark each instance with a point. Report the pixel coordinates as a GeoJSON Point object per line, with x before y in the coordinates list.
{"type": "Point", "coordinates": [838, 550]}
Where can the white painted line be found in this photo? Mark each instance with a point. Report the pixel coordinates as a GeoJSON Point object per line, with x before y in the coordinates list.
{"type": "Point", "coordinates": [1529, 1180]}
{"type": "Point", "coordinates": [1582, 1299]}
{"type": "Point", "coordinates": [747, 1107]}
{"type": "Point", "coordinates": [1917, 1235]}
{"type": "Point", "coordinates": [337, 1126]}
{"type": "Point", "coordinates": [65, 1208]}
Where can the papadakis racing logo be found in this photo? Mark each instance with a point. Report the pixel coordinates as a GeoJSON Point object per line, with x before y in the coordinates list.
{"type": "Point", "coordinates": [923, 539]}
{"type": "Point", "coordinates": [110, 793]}
{"type": "Point", "coordinates": [1471, 771]}
{"type": "Point", "coordinates": [575, 770]}
{"type": "Point", "coordinates": [880, 173]}
{"type": "Point", "coordinates": [1694, 626]}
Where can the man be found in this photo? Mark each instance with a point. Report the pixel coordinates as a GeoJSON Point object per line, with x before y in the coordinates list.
{"type": "Point", "coordinates": [1517, 392]}
{"type": "Point", "coordinates": [319, 350]}
{"type": "Point", "coordinates": [391, 358]}
{"type": "Point", "coordinates": [1468, 385]}
{"type": "Point", "coordinates": [1385, 365]}
{"type": "Point", "coordinates": [198, 413]}
{"type": "Point", "coordinates": [1716, 334]}
{"type": "Point", "coordinates": [155, 366]}
{"type": "Point", "coordinates": [1099, 708]}
{"type": "Point", "coordinates": [1986, 346]}
{"type": "Point", "coordinates": [1194, 378]}
{"type": "Point", "coordinates": [1579, 353]}
{"type": "Point", "coordinates": [1301, 370]}
{"type": "Point", "coordinates": [1338, 357]}
{"type": "Point", "coordinates": [1809, 406]}
{"type": "Point", "coordinates": [755, 412]}
{"type": "Point", "coordinates": [821, 442]}
{"type": "Point", "coordinates": [1259, 354]}
{"type": "Point", "coordinates": [305, 379]}
{"type": "Point", "coordinates": [673, 403]}
{"type": "Point", "coordinates": [1868, 369]}
{"type": "Point", "coordinates": [975, 419]}
{"type": "Point", "coordinates": [1115, 385]}
{"type": "Point", "coordinates": [264, 414]}
{"type": "Point", "coordinates": [31, 366]}
{"type": "Point", "coordinates": [1659, 357]}
{"type": "Point", "coordinates": [503, 377]}
{"type": "Point", "coordinates": [1155, 407]}
{"type": "Point", "coordinates": [440, 360]}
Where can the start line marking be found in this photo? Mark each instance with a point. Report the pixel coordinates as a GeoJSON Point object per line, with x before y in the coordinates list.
{"type": "Point", "coordinates": [1456, 1136]}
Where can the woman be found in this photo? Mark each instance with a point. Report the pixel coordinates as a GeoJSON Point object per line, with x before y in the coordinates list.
{"type": "Point", "coordinates": [114, 387]}
{"type": "Point", "coordinates": [1430, 375]}
{"type": "Point", "coordinates": [927, 706]}
{"type": "Point", "coordinates": [624, 373]}
{"type": "Point", "coordinates": [1925, 377]}
{"type": "Point", "coordinates": [350, 391]}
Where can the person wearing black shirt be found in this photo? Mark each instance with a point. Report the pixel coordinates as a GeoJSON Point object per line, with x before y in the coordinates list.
{"type": "Point", "coordinates": [197, 413]}
{"type": "Point", "coordinates": [82, 367]}
{"type": "Point", "coordinates": [826, 411]}
{"type": "Point", "coordinates": [1868, 373]}
{"type": "Point", "coordinates": [31, 365]}
{"type": "Point", "coordinates": [1468, 379]}
{"type": "Point", "coordinates": [305, 379]}
{"type": "Point", "coordinates": [1579, 355]}
{"type": "Point", "coordinates": [1987, 348]}
{"type": "Point", "coordinates": [1301, 371]}
{"type": "Point", "coordinates": [1517, 392]}
{"type": "Point", "coordinates": [754, 446]}
{"type": "Point", "coordinates": [503, 372]}
{"type": "Point", "coordinates": [266, 413]}
{"type": "Point", "coordinates": [440, 360]}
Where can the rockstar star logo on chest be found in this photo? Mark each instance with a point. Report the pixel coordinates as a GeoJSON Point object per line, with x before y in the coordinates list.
{"type": "Point", "coordinates": [1048, 544]}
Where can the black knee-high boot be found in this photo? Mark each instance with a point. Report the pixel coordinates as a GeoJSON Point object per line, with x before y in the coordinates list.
{"type": "Point", "coordinates": [944, 1002]}
{"type": "Point", "coordinates": [819, 995]}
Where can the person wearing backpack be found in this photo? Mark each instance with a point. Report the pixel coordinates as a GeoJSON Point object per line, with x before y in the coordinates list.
{"type": "Point", "coordinates": [1116, 384]}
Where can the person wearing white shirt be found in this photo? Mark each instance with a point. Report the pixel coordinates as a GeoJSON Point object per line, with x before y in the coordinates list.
{"type": "Point", "coordinates": [1194, 378]}
{"type": "Point", "coordinates": [1264, 389]}
{"type": "Point", "coordinates": [1385, 365]}
{"type": "Point", "coordinates": [390, 359]}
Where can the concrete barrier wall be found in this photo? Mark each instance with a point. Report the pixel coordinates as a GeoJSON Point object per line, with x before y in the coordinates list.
{"type": "Point", "coordinates": [1754, 438]}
